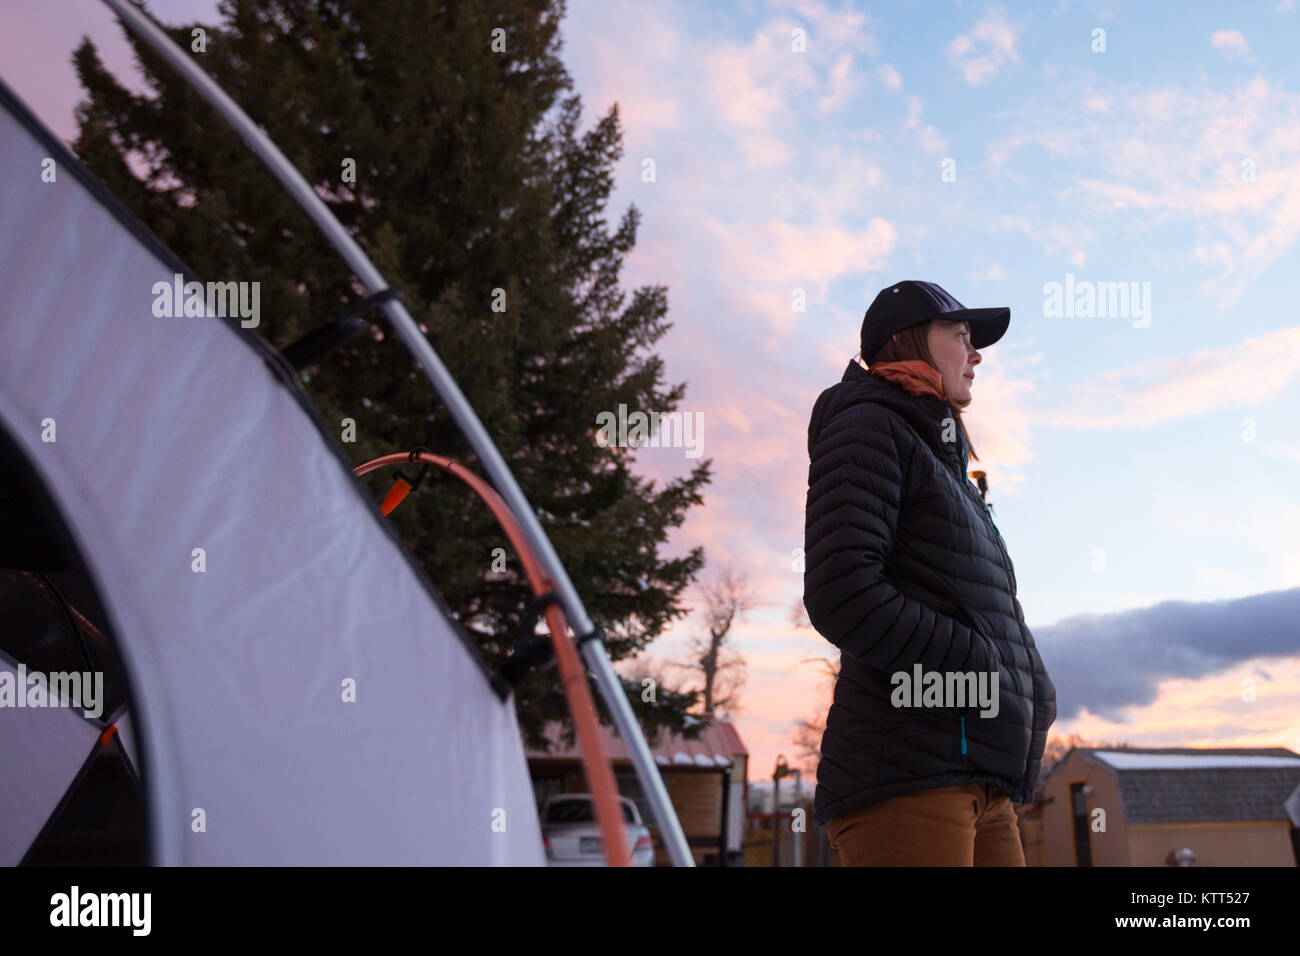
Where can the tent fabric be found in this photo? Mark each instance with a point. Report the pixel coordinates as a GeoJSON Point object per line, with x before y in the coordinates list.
{"type": "Point", "coordinates": [175, 434]}
{"type": "Point", "coordinates": [50, 745]}
{"type": "Point", "coordinates": [126, 739]}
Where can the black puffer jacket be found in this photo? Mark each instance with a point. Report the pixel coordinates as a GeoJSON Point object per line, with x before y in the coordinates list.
{"type": "Point", "coordinates": [903, 565]}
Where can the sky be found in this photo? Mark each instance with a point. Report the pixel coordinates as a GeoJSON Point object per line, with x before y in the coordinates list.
{"type": "Point", "coordinates": [1141, 456]}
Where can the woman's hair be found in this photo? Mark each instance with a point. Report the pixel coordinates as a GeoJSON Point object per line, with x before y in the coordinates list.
{"type": "Point", "coordinates": [912, 343]}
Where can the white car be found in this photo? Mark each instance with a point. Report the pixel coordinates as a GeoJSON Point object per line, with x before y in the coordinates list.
{"type": "Point", "coordinates": [572, 837]}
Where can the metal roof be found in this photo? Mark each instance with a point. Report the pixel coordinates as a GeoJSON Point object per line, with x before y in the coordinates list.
{"type": "Point", "coordinates": [717, 746]}
{"type": "Point", "coordinates": [1122, 760]}
{"type": "Point", "coordinates": [1193, 785]}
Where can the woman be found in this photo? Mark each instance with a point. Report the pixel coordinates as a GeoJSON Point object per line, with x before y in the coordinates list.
{"type": "Point", "coordinates": [907, 575]}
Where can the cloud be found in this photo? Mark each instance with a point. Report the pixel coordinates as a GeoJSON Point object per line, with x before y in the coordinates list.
{"type": "Point", "coordinates": [982, 53]}
{"type": "Point", "coordinates": [999, 417]}
{"type": "Point", "coordinates": [892, 79]}
{"type": "Point", "coordinates": [1266, 525]}
{"type": "Point", "coordinates": [1210, 712]}
{"type": "Point", "coordinates": [1105, 664]}
{"type": "Point", "coordinates": [766, 261]}
{"type": "Point", "coordinates": [745, 89]}
{"type": "Point", "coordinates": [1225, 161]}
{"type": "Point", "coordinates": [993, 273]}
{"type": "Point", "coordinates": [931, 141]}
{"type": "Point", "coordinates": [836, 183]}
{"type": "Point", "coordinates": [751, 90]}
{"type": "Point", "coordinates": [835, 30]}
{"type": "Point", "coordinates": [841, 86]}
{"type": "Point", "coordinates": [783, 253]}
{"type": "Point", "coordinates": [1231, 42]}
{"type": "Point", "coordinates": [643, 113]}
{"type": "Point", "coordinates": [756, 88]}
{"type": "Point", "coordinates": [1254, 371]}
{"type": "Point", "coordinates": [1069, 242]}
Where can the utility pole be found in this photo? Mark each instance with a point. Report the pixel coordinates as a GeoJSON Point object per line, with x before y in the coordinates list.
{"type": "Point", "coordinates": [782, 770]}
{"type": "Point", "coordinates": [798, 803]}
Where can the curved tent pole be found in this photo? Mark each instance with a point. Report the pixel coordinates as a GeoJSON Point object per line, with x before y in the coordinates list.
{"type": "Point", "coordinates": [592, 647]}
{"type": "Point", "coordinates": [600, 776]}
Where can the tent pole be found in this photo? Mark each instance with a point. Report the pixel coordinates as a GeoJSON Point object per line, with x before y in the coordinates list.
{"type": "Point", "coordinates": [593, 651]}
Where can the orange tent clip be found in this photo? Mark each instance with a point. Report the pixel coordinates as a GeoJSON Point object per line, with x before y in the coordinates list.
{"type": "Point", "coordinates": [396, 495]}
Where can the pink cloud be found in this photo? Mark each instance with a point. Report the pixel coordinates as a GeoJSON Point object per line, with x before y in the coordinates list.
{"type": "Point", "coordinates": [1253, 371]}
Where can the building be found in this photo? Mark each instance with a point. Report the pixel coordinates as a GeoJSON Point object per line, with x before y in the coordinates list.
{"type": "Point", "coordinates": [1165, 807]}
{"type": "Point", "coordinates": [705, 779]}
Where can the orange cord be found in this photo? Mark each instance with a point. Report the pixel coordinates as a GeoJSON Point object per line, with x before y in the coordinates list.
{"type": "Point", "coordinates": [600, 776]}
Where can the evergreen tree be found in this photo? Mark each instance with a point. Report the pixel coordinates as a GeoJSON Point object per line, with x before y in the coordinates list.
{"type": "Point", "coordinates": [473, 188]}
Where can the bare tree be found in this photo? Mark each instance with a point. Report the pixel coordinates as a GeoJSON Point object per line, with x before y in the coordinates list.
{"type": "Point", "coordinates": [807, 737]}
{"type": "Point", "coordinates": [808, 732]}
{"type": "Point", "coordinates": [726, 599]}
{"type": "Point", "coordinates": [799, 615]}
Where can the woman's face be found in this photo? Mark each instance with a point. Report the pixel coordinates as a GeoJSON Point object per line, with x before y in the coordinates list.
{"type": "Point", "coordinates": [952, 352]}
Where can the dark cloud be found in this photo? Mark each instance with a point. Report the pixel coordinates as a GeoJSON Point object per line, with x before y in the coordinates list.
{"type": "Point", "coordinates": [1107, 662]}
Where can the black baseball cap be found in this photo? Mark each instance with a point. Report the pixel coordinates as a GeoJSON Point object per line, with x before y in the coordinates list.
{"type": "Point", "coordinates": [911, 301]}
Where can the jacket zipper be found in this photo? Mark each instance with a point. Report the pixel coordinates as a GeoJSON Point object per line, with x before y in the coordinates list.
{"type": "Point", "coordinates": [970, 622]}
{"type": "Point", "coordinates": [1006, 567]}
{"type": "Point", "coordinates": [997, 535]}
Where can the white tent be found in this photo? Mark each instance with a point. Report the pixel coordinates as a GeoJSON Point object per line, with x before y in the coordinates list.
{"type": "Point", "coordinates": [172, 434]}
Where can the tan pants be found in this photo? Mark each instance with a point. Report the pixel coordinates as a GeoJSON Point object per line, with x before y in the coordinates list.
{"type": "Point", "coordinates": [971, 825]}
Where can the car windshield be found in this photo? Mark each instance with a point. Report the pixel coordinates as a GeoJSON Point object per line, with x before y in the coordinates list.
{"type": "Point", "coordinates": [580, 811]}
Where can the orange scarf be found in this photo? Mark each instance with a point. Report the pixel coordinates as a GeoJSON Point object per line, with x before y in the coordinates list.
{"type": "Point", "coordinates": [914, 375]}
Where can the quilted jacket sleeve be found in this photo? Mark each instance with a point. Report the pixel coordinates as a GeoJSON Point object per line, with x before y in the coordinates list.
{"type": "Point", "coordinates": [856, 478]}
